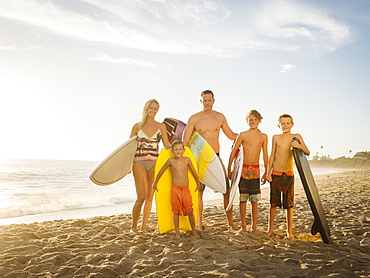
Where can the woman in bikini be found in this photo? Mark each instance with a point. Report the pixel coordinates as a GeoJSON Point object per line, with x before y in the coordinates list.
{"type": "Point", "coordinates": [149, 133]}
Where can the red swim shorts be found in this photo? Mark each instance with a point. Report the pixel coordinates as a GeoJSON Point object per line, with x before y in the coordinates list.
{"type": "Point", "coordinates": [181, 200]}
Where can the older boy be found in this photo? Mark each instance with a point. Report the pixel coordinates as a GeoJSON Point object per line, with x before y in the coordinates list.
{"type": "Point", "coordinates": [180, 195]}
{"type": "Point", "coordinates": [280, 172]}
{"type": "Point", "coordinates": [253, 141]}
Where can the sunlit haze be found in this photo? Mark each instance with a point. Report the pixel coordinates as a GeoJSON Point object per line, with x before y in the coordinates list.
{"type": "Point", "coordinates": [74, 75]}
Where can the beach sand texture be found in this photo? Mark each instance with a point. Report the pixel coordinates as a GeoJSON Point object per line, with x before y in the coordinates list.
{"type": "Point", "coordinates": [104, 246]}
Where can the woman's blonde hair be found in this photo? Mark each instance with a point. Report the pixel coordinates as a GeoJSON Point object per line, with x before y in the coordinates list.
{"type": "Point", "coordinates": [144, 114]}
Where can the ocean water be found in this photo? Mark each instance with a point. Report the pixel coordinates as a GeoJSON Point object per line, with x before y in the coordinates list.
{"type": "Point", "coordinates": [29, 187]}
{"type": "Point", "coordinates": [32, 187]}
{"type": "Point", "coordinates": [40, 186]}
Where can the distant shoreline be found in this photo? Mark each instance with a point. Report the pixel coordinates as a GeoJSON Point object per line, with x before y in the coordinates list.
{"type": "Point", "coordinates": [342, 163]}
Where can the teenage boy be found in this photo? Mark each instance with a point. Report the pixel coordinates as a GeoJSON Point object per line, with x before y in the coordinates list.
{"type": "Point", "coordinates": [253, 141]}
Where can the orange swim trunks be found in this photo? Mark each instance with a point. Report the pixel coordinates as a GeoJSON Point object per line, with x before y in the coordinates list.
{"type": "Point", "coordinates": [181, 200]}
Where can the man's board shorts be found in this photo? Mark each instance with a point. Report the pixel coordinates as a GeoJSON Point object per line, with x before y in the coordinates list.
{"type": "Point", "coordinates": [282, 184]}
{"type": "Point", "coordinates": [249, 184]}
{"type": "Point", "coordinates": [181, 200]}
{"type": "Point", "coordinates": [203, 186]}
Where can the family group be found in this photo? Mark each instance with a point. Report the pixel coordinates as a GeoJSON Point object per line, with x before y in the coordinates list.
{"type": "Point", "coordinates": [208, 123]}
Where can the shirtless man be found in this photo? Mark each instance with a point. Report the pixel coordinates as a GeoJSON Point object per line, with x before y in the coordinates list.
{"type": "Point", "coordinates": [253, 142]}
{"type": "Point", "coordinates": [208, 124]}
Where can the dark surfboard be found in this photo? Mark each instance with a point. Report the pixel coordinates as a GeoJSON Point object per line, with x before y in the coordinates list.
{"type": "Point", "coordinates": [320, 224]}
{"type": "Point", "coordinates": [175, 129]}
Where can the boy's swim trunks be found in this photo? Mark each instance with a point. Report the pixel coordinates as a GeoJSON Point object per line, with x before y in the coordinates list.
{"type": "Point", "coordinates": [249, 184]}
{"type": "Point", "coordinates": [181, 200]}
{"type": "Point", "coordinates": [282, 183]}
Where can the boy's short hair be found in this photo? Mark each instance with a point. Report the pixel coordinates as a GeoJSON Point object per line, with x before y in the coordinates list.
{"type": "Point", "coordinates": [207, 92]}
{"type": "Point", "coordinates": [285, 116]}
{"type": "Point", "coordinates": [177, 142]}
{"type": "Point", "coordinates": [254, 113]}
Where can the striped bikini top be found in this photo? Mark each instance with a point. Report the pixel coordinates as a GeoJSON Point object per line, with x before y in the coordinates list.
{"type": "Point", "coordinates": [147, 147]}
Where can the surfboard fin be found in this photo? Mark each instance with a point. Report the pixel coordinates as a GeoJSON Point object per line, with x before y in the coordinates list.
{"type": "Point", "coordinates": [316, 227]}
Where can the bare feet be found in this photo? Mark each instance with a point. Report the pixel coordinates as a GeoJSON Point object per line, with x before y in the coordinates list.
{"type": "Point", "coordinates": [290, 236]}
{"type": "Point", "coordinates": [269, 233]}
{"type": "Point", "coordinates": [233, 227]}
{"type": "Point", "coordinates": [195, 234]}
{"type": "Point", "coordinates": [256, 231]}
{"type": "Point", "coordinates": [135, 230]}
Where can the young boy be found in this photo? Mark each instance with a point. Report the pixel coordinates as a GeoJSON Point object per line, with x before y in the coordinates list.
{"type": "Point", "coordinates": [253, 141]}
{"type": "Point", "coordinates": [180, 194]}
{"type": "Point", "coordinates": [280, 172]}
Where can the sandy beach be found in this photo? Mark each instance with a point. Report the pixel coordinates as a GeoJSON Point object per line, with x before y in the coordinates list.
{"type": "Point", "coordinates": [105, 247]}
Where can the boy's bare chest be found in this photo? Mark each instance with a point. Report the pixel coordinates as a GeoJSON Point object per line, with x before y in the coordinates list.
{"type": "Point", "coordinates": [180, 165]}
{"type": "Point", "coordinates": [253, 139]}
{"type": "Point", "coordinates": [284, 143]}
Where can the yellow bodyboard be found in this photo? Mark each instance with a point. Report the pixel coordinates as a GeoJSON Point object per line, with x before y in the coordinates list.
{"type": "Point", "coordinates": [163, 195]}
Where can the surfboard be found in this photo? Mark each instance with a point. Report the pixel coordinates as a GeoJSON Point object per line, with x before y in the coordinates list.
{"type": "Point", "coordinates": [117, 165]}
{"type": "Point", "coordinates": [163, 195]}
{"type": "Point", "coordinates": [320, 224]}
{"type": "Point", "coordinates": [235, 176]}
{"type": "Point", "coordinates": [211, 170]}
{"type": "Point", "coordinates": [175, 129]}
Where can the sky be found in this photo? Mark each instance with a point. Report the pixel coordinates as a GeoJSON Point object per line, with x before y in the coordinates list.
{"type": "Point", "coordinates": [75, 74]}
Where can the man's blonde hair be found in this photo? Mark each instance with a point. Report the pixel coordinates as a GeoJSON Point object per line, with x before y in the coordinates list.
{"type": "Point", "coordinates": [207, 92]}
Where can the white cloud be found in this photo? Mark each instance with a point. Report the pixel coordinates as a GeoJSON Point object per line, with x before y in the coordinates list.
{"type": "Point", "coordinates": [103, 57]}
{"type": "Point", "coordinates": [207, 27]}
{"type": "Point", "coordinates": [298, 24]}
{"type": "Point", "coordinates": [286, 67]}
{"type": "Point", "coordinates": [15, 48]}
{"type": "Point", "coordinates": [201, 12]}
{"type": "Point", "coordinates": [12, 47]}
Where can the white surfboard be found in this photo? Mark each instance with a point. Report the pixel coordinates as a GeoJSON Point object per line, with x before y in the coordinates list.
{"type": "Point", "coordinates": [211, 171]}
{"type": "Point", "coordinates": [235, 176]}
{"type": "Point", "coordinates": [117, 165]}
